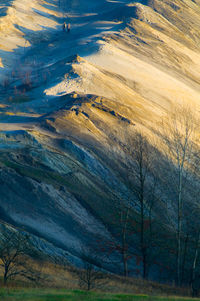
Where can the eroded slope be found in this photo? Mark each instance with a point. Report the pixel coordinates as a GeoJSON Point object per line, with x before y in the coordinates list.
{"type": "Point", "coordinates": [123, 67]}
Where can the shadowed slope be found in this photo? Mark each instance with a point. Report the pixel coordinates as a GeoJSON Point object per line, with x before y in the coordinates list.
{"type": "Point", "coordinates": [60, 169]}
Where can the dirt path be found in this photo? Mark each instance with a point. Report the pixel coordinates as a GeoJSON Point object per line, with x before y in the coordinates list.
{"type": "Point", "coordinates": [44, 65]}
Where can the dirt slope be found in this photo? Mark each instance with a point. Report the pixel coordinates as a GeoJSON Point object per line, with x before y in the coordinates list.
{"type": "Point", "coordinates": [67, 97]}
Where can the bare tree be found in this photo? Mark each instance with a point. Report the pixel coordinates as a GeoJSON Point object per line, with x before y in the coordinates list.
{"type": "Point", "coordinates": [87, 277]}
{"type": "Point", "coordinates": [194, 266]}
{"type": "Point", "coordinates": [90, 275]}
{"type": "Point", "coordinates": [179, 137]}
{"type": "Point", "coordinates": [14, 251]}
{"type": "Point", "coordinates": [140, 158]}
{"type": "Point", "coordinates": [135, 157]}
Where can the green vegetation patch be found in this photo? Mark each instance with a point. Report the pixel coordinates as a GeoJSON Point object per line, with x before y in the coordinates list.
{"type": "Point", "coordinates": [64, 295]}
{"type": "Point", "coordinates": [36, 173]}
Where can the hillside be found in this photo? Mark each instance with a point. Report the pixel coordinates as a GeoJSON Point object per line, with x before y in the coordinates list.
{"type": "Point", "coordinates": [67, 98]}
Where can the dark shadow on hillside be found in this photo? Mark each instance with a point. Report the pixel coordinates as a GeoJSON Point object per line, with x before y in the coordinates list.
{"type": "Point", "coordinates": [47, 60]}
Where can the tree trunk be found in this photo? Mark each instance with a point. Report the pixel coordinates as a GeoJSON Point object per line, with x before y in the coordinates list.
{"type": "Point", "coordinates": [184, 257]}
{"type": "Point", "coordinates": [144, 264]}
{"type": "Point", "coordinates": [124, 244]}
{"type": "Point", "coordinates": [5, 276]}
{"type": "Point", "coordinates": [179, 230]}
{"type": "Point", "coordinates": [125, 264]}
{"type": "Point", "coordinates": [193, 288]}
{"type": "Point", "coordinates": [142, 242]}
{"type": "Point", "coordinates": [89, 278]}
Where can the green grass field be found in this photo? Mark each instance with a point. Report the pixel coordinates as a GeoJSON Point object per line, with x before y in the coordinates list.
{"type": "Point", "coordinates": [64, 295]}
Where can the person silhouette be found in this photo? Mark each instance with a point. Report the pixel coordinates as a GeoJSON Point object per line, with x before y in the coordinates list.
{"type": "Point", "coordinates": [64, 26]}
{"type": "Point", "coordinates": [68, 28]}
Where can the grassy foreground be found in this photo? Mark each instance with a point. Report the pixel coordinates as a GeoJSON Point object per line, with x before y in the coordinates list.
{"type": "Point", "coordinates": [64, 295]}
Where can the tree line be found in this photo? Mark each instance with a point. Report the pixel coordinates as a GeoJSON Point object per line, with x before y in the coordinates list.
{"type": "Point", "coordinates": [156, 226]}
